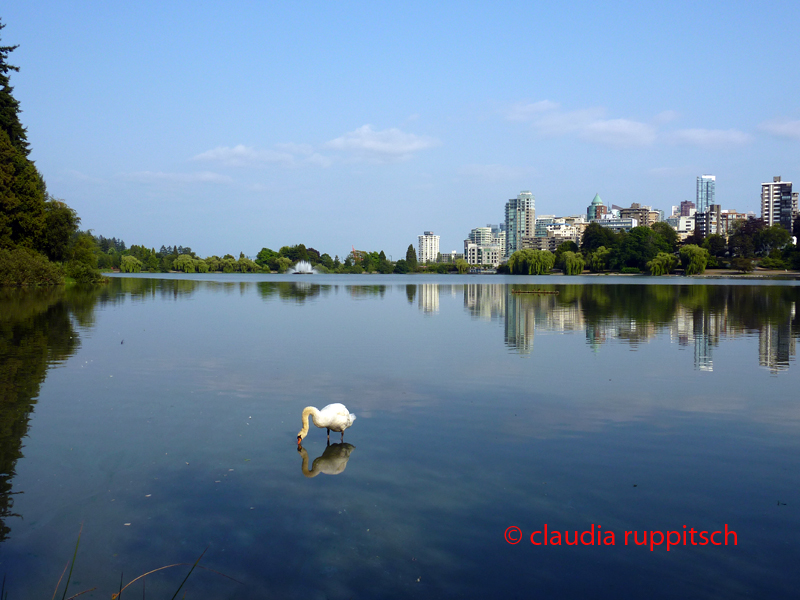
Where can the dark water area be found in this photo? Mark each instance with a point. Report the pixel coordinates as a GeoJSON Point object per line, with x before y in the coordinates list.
{"type": "Point", "coordinates": [161, 414]}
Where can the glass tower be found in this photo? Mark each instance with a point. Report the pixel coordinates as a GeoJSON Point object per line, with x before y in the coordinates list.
{"type": "Point", "coordinates": [705, 192]}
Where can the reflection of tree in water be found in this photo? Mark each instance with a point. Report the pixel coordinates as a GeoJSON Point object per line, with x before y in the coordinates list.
{"type": "Point", "coordinates": [36, 331]}
{"type": "Point", "coordinates": [297, 292]}
{"type": "Point", "coordinates": [360, 291]}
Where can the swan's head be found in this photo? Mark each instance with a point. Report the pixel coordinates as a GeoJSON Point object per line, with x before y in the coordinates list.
{"type": "Point", "coordinates": [299, 438]}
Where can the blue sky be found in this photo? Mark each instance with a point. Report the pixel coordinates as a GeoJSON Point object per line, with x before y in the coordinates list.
{"type": "Point", "coordinates": [232, 126]}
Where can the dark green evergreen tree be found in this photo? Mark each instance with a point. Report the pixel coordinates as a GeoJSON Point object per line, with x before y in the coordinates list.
{"type": "Point", "coordinates": [9, 106]}
{"type": "Point", "coordinates": [411, 257]}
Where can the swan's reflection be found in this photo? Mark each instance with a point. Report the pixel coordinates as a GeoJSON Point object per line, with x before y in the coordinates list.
{"type": "Point", "coordinates": [332, 462]}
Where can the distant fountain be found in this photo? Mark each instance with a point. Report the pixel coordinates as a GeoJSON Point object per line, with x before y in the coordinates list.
{"type": "Point", "coordinates": [303, 268]}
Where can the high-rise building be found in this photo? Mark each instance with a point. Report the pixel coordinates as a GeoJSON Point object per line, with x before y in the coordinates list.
{"type": "Point", "coordinates": [706, 185]}
{"type": "Point", "coordinates": [428, 250]}
{"type": "Point", "coordinates": [687, 208]}
{"type": "Point", "coordinates": [596, 209]}
{"type": "Point", "coordinates": [520, 220]}
{"type": "Point", "coordinates": [778, 203]}
{"type": "Point", "coordinates": [644, 215]}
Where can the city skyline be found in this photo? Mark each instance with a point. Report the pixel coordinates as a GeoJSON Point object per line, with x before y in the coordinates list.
{"type": "Point", "coordinates": [230, 130]}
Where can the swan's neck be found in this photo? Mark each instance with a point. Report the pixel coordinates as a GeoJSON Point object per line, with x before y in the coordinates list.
{"type": "Point", "coordinates": [314, 414]}
{"type": "Point", "coordinates": [313, 472]}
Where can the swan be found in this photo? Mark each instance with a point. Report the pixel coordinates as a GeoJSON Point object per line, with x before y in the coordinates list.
{"type": "Point", "coordinates": [332, 462]}
{"type": "Point", "coordinates": [334, 416]}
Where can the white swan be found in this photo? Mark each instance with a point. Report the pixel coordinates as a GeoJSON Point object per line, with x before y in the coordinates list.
{"type": "Point", "coordinates": [333, 416]}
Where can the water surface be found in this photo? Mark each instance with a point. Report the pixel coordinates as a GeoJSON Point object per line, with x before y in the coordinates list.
{"type": "Point", "coordinates": [161, 414]}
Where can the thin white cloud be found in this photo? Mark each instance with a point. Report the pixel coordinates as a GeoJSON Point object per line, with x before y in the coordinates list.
{"type": "Point", "coordinates": [619, 132]}
{"type": "Point", "coordinates": [710, 137]}
{"type": "Point", "coordinates": [243, 156]}
{"type": "Point", "coordinates": [548, 119]}
{"type": "Point", "coordinates": [782, 128]}
{"type": "Point", "coordinates": [157, 176]}
{"type": "Point", "coordinates": [389, 144]}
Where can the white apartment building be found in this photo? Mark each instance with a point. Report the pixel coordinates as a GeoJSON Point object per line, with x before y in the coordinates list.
{"type": "Point", "coordinates": [428, 247]}
{"type": "Point", "coordinates": [520, 220]}
{"type": "Point", "coordinates": [476, 254]}
{"type": "Point", "coordinates": [683, 225]}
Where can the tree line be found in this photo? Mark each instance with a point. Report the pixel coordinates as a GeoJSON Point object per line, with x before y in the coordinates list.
{"type": "Point", "coordinates": [657, 250]}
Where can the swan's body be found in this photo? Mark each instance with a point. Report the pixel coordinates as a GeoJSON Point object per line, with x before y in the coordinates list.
{"type": "Point", "coordinates": [334, 417]}
{"type": "Point", "coordinates": [332, 462]}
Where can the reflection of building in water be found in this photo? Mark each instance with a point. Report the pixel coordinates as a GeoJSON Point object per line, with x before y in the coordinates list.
{"type": "Point", "coordinates": [596, 335]}
{"type": "Point", "coordinates": [520, 321]}
{"type": "Point", "coordinates": [699, 321]}
{"type": "Point", "coordinates": [429, 297]}
{"type": "Point", "coordinates": [776, 346]}
{"type": "Point", "coordinates": [485, 302]}
{"type": "Point", "coordinates": [702, 341]}
{"type": "Point", "coordinates": [635, 331]}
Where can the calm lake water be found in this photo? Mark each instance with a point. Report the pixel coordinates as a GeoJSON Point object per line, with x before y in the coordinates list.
{"type": "Point", "coordinates": [161, 414]}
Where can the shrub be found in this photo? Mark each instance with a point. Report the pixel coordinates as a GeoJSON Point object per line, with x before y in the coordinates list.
{"type": "Point", "coordinates": [630, 270]}
{"type": "Point", "coordinates": [745, 265]}
{"type": "Point", "coordinates": [82, 273]}
{"type": "Point", "coordinates": [25, 267]}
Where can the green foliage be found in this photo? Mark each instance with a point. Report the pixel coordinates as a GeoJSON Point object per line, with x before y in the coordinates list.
{"type": "Point", "coordinates": [638, 247]}
{"type": "Point", "coordinates": [771, 238]}
{"type": "Point", "coordinates": [25, 267]}
{"type": "Point", "coordinates": [184, 263]}
{"type": "Point", "coordinates": [599, 260]}
{"type": "Point", "coordinates": [327, 262]}
{"type": "Point", "coordinates": [294, 253]}
{"type": "Point", "coordinates": [742, 242]}
{"type": "Point", "coordinates": [283, 264]}
{"type": "Point", "coordinates": [573, 262]}
{"type": "Point", "coordinates": [401, 266]}
{"type": "Point", "coordinates": [61, 224]}
{"type": "Point", "coordinates": [668, 233]}
{"type": "Point", "coordinates": [662, 264]}
{"type": "Point", "coordinates": [22, 204]}
{"type": "Point", "coordinates": [130, 264]}
{"type": "Point", "coordinates": [267, 259]}
{"type": "Point", "coordinates": [715, 244]}
{"type": "Point", "coordinates": [83, 273]}
{"type": "Point", "coordinates": [694, 259]}
{"type": "Point", "coordinates": [462, 266]}
{"type": "Point", "coordinates": [744, 265]}
{"type": "Point", "coordinates": [411, 257]}
{"type": "Point", "coordinates": [630, 270]}
{"type": "Point", "coordinates": [531, 262]}
{"type": "Point", "coordinates": [9, 106]}
{"type": "Point", "coordinates": [245, 265]}
{"type": "Point", "coordinates": [774, 263]}
{"type": "Point", "coordinates": [596, 236]}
